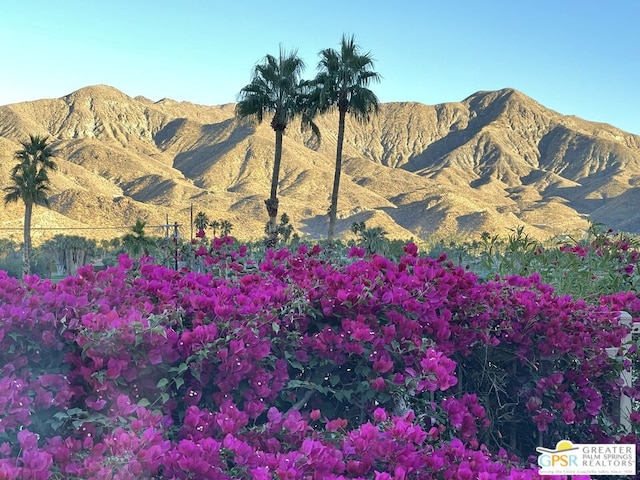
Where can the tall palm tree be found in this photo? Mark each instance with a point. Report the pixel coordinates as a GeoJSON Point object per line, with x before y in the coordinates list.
{"type": "Point", "coordinates": [342, 81]}
{"type": "Point", "coordinates": [276, 88]}
{"type": "Point", "coordinates": [30, 183]}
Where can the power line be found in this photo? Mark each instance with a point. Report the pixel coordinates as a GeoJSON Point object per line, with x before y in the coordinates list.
{"type": "Point", "coordinates": [65, 228]}
{"type": "Point", "coordinates": [85, 228]}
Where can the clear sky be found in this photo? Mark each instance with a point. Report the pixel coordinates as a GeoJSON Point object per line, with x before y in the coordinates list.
{"type": "Point", "coordinates": [578, 57]}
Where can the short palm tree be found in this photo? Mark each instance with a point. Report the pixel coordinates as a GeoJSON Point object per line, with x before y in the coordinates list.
{"type": "Point", "coordinates": [201, 221]}
{"type": "Point", "coordinates": [138, 242]}
{"type": "Point", "coordinates": [30, 183]}
{"type": "Point", "coordinates": [374, 240]}
{"type": "Point", "coordinates": [342, 81]}
{"type": "Point", "coordinates": [225, 228]}
{"type": "Point", "coordinates": [69, 252]}
{"type": "Point", "coordinates": [276, 87]}
{"type": "Point", "coordinates": [215, 225]}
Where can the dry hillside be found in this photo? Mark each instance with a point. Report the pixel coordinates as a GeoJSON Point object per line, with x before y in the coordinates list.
{"type": "Point", "coordinates": [492, 162]}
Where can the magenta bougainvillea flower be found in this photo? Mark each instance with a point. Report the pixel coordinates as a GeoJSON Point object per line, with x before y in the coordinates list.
{"type": "Point", "coordinates": [301, 367]}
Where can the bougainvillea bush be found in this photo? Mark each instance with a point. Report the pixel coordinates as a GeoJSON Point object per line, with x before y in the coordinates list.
{"type": "Point", "coordinates": [299, 367]}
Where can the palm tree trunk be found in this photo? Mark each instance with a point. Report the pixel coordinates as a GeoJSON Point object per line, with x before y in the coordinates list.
{"type": "Point", "coordinates": [272, 202]}
{"type": "Point", "coordinates": [26, 249]}
{"type": "Point", "coordinates": [333, 211]}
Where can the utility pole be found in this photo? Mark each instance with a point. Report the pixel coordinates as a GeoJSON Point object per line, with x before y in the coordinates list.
{"type": "Point", "coordinates": [175, 243]}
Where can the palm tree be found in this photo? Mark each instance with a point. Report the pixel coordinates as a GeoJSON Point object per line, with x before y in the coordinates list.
{"type": "Point", "coordinates": [285, 229]}
{"type": "Point", "coordinates": [215, 225]}
{"type": "Point", "coordinates": [276, 88]}
{"type": "Point", "coordinates": [30, 183]}
{"type": "Point", "coordinates": [357, 227]}
{"type": "Point", "coordinates": [225, 228]}
{"type": "Point", "coordinates": [7, 247]}
{"type": "Point", "coordinates": [374, 240]}
{"type": "Point", "coordinates": [69, 252]}
{"type": "Point", "coordinates": [201, 221]}
{"type": "Point", "coordinates": [342, 81]}
{"type": "Point", "coordinates": [137, 242]}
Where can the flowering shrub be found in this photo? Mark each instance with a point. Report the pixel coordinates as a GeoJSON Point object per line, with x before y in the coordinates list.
{"type": "Point", "coordinates": [298, 367]}
{"type": "Point", "coordinates": [603, 262]}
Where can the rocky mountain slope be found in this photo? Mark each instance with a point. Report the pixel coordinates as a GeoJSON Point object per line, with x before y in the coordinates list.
{"type": "Point", "coordinates": [494, 161]}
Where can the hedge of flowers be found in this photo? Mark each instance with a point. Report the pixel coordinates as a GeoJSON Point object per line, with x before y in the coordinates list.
{"type": "Point", "coordinates": [299, 367]}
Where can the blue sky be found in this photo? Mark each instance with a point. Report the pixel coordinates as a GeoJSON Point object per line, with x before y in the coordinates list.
{"type": "Point", "coordinates": [578, 57]}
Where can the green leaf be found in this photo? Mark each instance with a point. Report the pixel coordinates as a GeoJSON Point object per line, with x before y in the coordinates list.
{"type": "Point", "coordinates": [162, 383]}
{"type": "Point", "coordinates": [384, 397]}
{"type": "Point", "coordinates": [179, 382]}
{"type": "Point", "coordinates": [164, 397]}
{"type": "Point", "coordinates": [183, 367]}
{"type": "Point", "coordinates": [343, 395]}
{"type": "Point", "coordinates": [276, 327]}
{"type": "Point", "coordinates": [297, 365]}
{"type": "Point", "coordinates": [76, 411]}
{"type": "Point", "coordinates": [297, 384]}
{"type": "Point", "coordinates": [143, 402]}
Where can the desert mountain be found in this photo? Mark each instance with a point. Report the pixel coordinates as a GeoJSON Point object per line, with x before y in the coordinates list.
{"type": "Point", "coordinates": [494, 161]}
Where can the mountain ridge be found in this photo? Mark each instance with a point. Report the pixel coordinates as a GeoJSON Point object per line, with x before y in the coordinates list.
{"type": "Point", "coordinates": [491, 162]}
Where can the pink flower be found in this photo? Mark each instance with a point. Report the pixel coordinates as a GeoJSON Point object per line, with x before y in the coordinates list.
{"type": "Point", "coordinates": [382, 476]}
{"type": "Point", "coordinates": [378, 384]}
{"type": "Point", "coordinates": [124, 405]}
{"type": "Point", "coordinates": [411, 249]}
{"type": "Point", "coordinates": [95, 403]}
{"type": "Point", "coordinates": [379, 415]}
{"type": "Point", "coordinates": [335, 425]}
{"type": "Point", "coordinates": [356, 252]}
{"type": "Point", "coordinates": [383, 363]}
{"type": "Point", "coordinates": [27, 440]}
{"type": "Point", "coordinates": [114, 367]}
{"type": "Point", "coordinates": [125, 262]}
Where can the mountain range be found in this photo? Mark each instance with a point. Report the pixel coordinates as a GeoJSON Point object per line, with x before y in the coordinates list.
{"type": "Point", "coordinates": [495, 161]}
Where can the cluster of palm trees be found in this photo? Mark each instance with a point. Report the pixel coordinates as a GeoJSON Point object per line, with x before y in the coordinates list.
{"type": "Point", "coordinates": [201, 222]}
{"type": "Point", "coordinates": [277, 88]}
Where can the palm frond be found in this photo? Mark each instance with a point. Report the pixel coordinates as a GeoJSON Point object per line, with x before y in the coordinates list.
{"type": "Point", "coordinates": [343, 76]}
{"type": "Point", "coordinates": [29, 177]}
{"type": "Point", "coordinates": [12, 194]}
{"type": "Point", "coordinates": [274, 88]}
